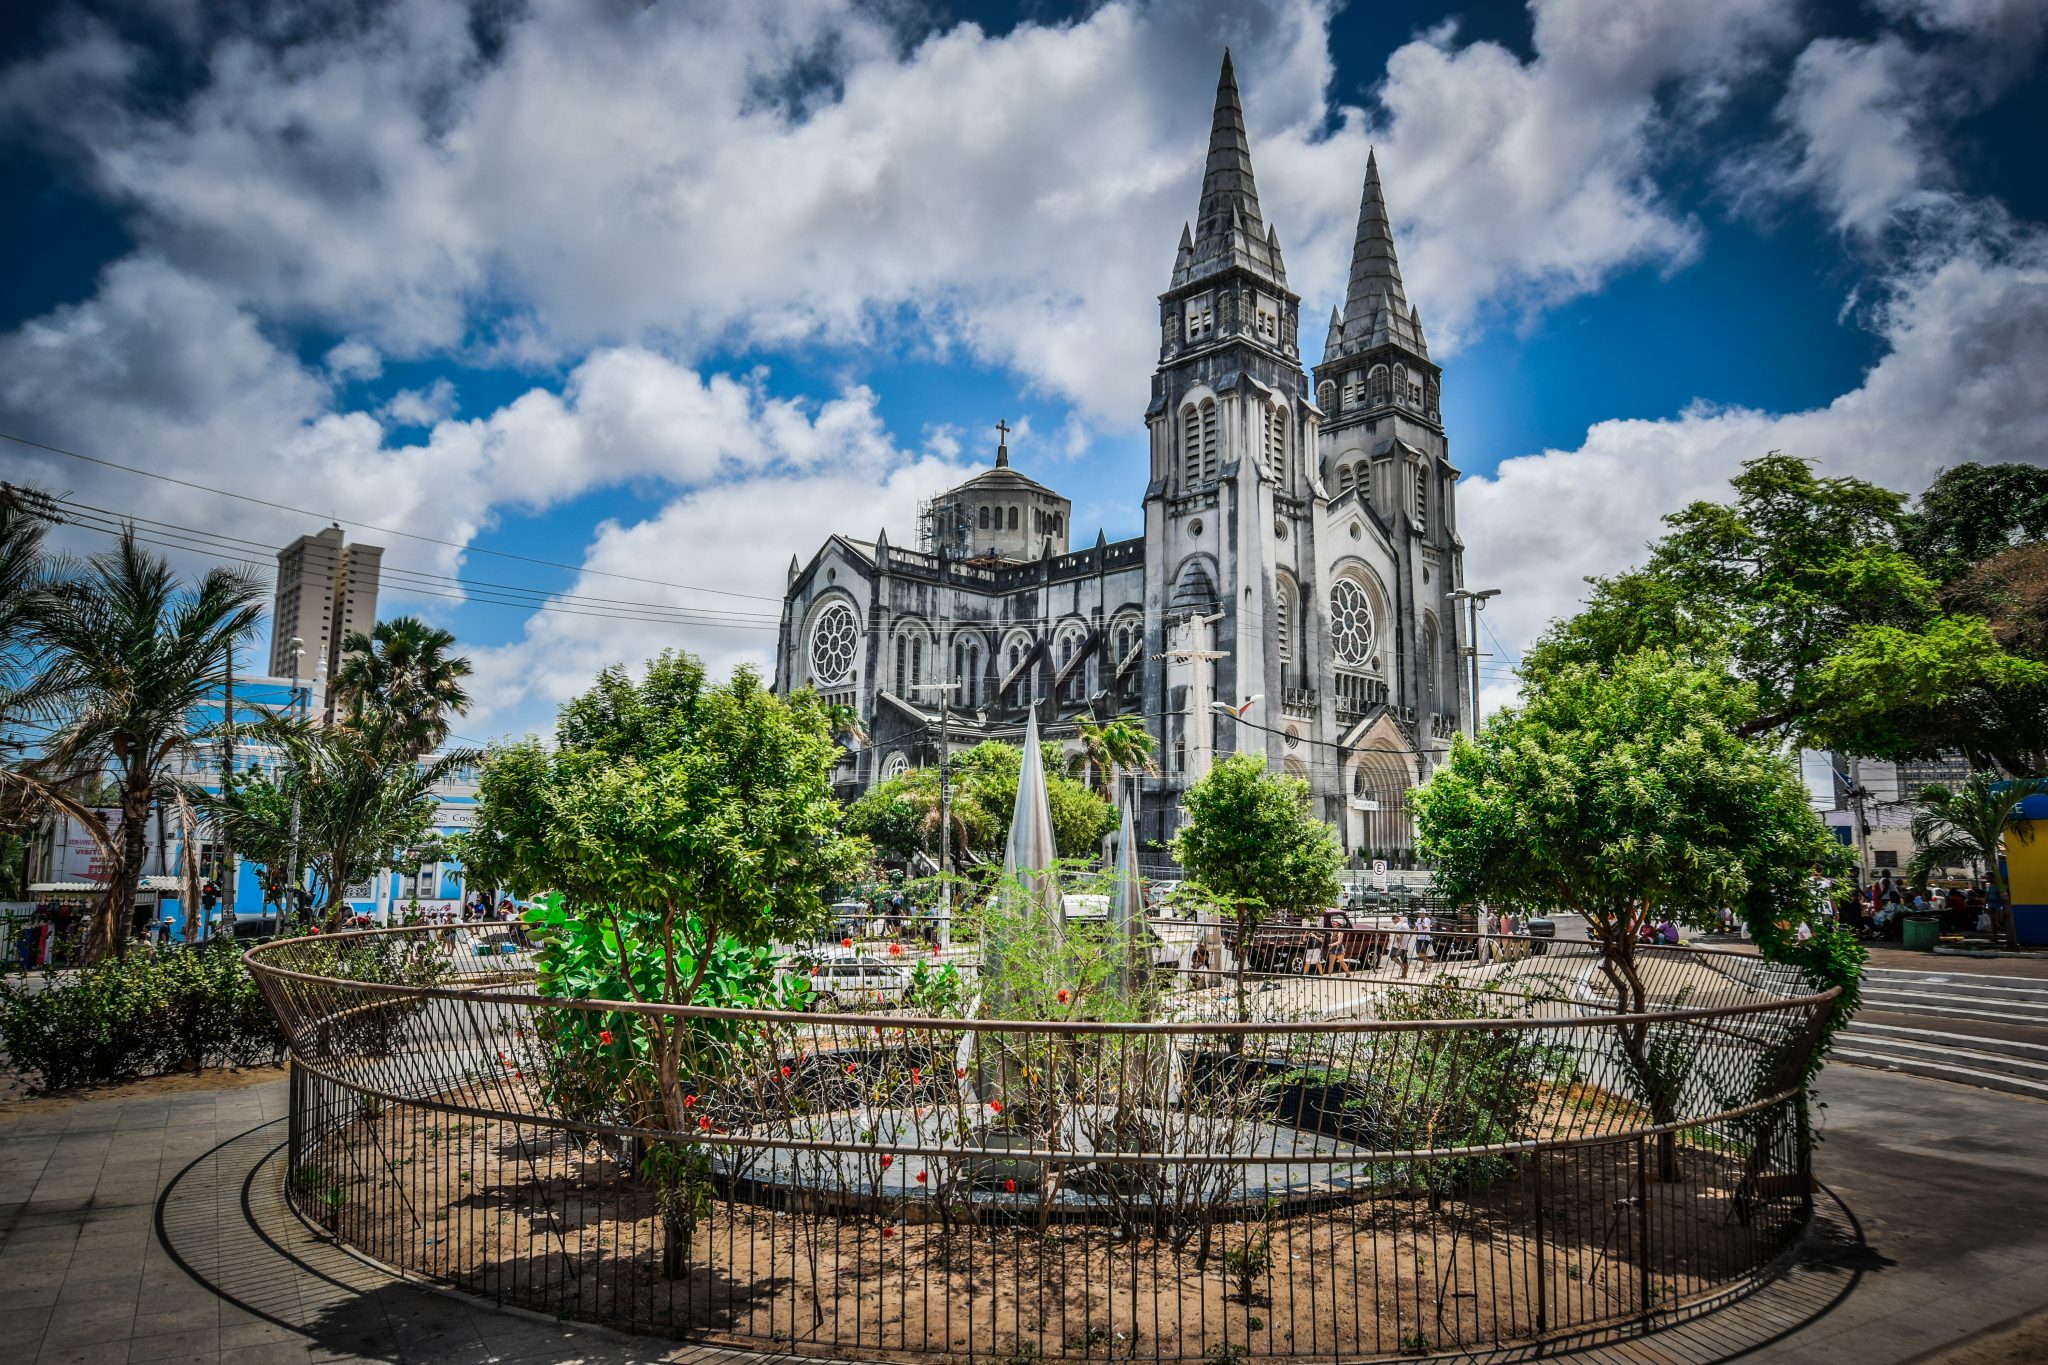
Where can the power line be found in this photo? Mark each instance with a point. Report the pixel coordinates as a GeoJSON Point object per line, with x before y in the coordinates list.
{"type": "Point", "coordinates": [368, 526]}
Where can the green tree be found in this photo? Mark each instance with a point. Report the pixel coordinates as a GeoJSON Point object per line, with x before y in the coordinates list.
{"type": "Point", "coordinates": [135, 650]}
{"type": "Point", "coordinates": [400, 684]}
{"type": "Point", "coordinates": [1965, 824]}
{"type": "Point", "coordinates": [674, 815]}
{"type": "Point", "coordinates": [1802, 585]}
{"type": "Point", "coordinates": [686, 827]}
{"type": "Point", "coordinates": [1120, 744]}
{"type": "Point", "coordinates": [900, 815]}
{"type": "Point", "coordinates": [337, 804]}
{"type": "Point", "coordinates": [1252, 843]}
{"type": "Point", "coordinates": [1623, 797]}
{"type": "Point", "coordinates": [1974, 511]}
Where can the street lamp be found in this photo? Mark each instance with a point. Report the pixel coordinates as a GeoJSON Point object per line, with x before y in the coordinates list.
{"type": "Point", "coordinates": [1475, 602]}
{"type": "Point", "coordinates": [944, 689]}
{"type": "Point", "coordinates": [297, 649]}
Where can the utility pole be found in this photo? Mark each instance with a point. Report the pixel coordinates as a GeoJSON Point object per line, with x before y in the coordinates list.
{"type": "Point", "coordinates": [229, 872]}
{"type": "Point", "coordinates": [1198, 705]}
{"type": "Point", "coordinates": [1475, 602]}
{"type": "Point", "coordinates": [305, 704]}
{"type": "Point", "coordinates": [945, 691]}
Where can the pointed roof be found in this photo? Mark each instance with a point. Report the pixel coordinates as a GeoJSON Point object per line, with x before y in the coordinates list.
{"type": "Point", "coordinates": [1376, 308]}
{"type": "Point", "coordinates": [1229, 229]}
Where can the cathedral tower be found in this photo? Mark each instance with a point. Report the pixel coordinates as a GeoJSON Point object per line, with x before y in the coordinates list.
{"type": "Point", "coordinates": [1230, 499]}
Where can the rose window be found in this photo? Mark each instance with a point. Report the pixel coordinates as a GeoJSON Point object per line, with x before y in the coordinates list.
{"type": "Point", "coordinates": [1350, 622]}
{"type": "Point", "coordinates": [833, 636]}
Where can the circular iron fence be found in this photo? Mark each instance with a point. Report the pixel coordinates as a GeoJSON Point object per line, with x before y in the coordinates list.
{"type": "Point", "coordinates": [1470, 1154]}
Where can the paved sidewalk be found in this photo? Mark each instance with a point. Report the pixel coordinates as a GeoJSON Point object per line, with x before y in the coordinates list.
{"type": "Point", "coordinates": [153, 1230]}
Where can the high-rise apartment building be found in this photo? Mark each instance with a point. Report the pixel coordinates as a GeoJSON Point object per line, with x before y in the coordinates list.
{"type": "Point", "coordinates": [326, 588]}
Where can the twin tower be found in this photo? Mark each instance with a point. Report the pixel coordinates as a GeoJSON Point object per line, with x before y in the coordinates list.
{"type": "Point", "coordinates": [1300, 546]}
{"type": "Point", "coordinates": [1303, 532]}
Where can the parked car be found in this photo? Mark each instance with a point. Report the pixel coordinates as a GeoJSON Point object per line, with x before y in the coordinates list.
{"type": "Point", "coordinates": [858, 986]}
{"type": "Point", "coordinates": [1540, 930]}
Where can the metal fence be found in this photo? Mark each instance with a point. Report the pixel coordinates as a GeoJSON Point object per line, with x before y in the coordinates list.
{"type": "Point", "coordinates": [1481, 1156]}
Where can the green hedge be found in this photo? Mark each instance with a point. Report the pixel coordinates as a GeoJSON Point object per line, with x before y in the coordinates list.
{"type": "Point", "coordinates": [143, 1015]}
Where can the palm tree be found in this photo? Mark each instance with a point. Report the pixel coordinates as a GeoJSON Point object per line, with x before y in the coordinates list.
{"type": "Point", "coordinates": [400, 684]}
{"type": "Point", "coordinates": [844, 722]}
{"type": "Point", "coordinates": [1965, 824]}
{"type": "Point", "coordinates": [134, 649]}
{"type": "Point", "coordinates": [1119, 744]}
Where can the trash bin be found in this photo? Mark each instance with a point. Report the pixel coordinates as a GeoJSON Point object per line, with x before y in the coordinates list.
{"type": "Point", "coordinates": [1922, 932]}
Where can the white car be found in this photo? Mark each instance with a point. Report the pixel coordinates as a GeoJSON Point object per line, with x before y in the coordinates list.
{"type": "Point", "coordinates": [857, 986]}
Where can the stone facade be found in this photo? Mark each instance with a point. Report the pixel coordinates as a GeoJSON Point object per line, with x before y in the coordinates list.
{"type": "Point", "coordinates": [1300, 547]}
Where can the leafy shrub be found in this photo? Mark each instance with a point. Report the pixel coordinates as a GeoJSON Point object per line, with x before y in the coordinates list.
{"type": "Point", "coordinates": [143, 1015]}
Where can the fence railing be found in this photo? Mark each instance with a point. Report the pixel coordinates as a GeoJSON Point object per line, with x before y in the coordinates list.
{"type": "Point", "coordinates": [1481, 1155]}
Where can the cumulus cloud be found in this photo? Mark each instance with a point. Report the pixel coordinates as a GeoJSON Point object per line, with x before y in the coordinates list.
{"type": "Point", "coordinates": [1866, 121]}
{"type": "Point", "coordinates": [1967, 339]}
{"type": "Point", "coordinates": [748, 176]}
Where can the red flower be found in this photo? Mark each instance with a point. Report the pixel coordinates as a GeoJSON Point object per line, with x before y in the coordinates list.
{"type": "Point", "coordinates": [887, 1161]}
{"type": "Point", "coordinates": [923, 1176]}
{"type": "Point", "coordinates": [605, 1036]}
{"type": "Point", "coordinates": [517, 1074]}
{"type": "Point", "coordinates": [915, 1075]}
{"type": "Point", "coordinates": [996, 1105]}
{"type": "Point", "coordinates": [935, 950]}
{"type": "Point", "coordinates": [785, 1073]}
{"type": "Point", "coordinates": [689, 1100]}
{"type": "Point", "coordinates": [705, 1124]}
{"type": "Point", "coordinates": [961, 1072]}
{"type": "Point", "coordinates": [888, 1231]}
{"type": "Point", "coordinates": [1009, 1187]}
{"type": "Point", "coordinates": [1063, 997]}
{"type": "Point", "coordinates": [895, 950]}
{"type": "Point", "coordinates": [501, 1056]}
{"type": "Point", "coordinates": [846, 943]}
{"type": "Point", "coordinates": [849, 1068]}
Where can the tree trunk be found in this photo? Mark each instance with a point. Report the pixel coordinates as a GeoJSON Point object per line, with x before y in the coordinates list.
{"type": "Point", "coordinates": [117, 909]}
{"type": "Point", "coordinates": [1618, 961]}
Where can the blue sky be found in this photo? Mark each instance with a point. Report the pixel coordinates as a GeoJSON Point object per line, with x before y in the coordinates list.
{"type": "Point", "coordinates": [663, 295]}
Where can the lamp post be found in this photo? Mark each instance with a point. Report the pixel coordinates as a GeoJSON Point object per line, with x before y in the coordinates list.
{"type": "Point", "coordinates": [944, 689]}
{"type": "Point", "coordinates": [297, 649]}
{"type": "Point", "coordinates": [1475, 602]}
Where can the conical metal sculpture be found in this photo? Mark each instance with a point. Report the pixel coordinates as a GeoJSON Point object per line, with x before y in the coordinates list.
{"type": "Point", "coordinates": [1030, 856]}
{"type": "Point", "coordinates": [1127, 908]}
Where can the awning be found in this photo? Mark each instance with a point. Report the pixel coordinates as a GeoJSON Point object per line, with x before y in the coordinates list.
{"type": "Point", "coordinates": [153, 882]}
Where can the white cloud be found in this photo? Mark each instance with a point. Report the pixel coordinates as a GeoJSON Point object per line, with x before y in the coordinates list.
{"type": "Point", "coordinates": [355, 360]}
{"type": "Point", "coordinates": [683, 177]}
{"type": "Point", "coordinates": [748, 529]}
{"type": "Point", "coordinates": [1866, 121]}
{"type": "Point", "coordinates": [422, 407]}
{"type": "Point", "coordinates": [1967, 341]}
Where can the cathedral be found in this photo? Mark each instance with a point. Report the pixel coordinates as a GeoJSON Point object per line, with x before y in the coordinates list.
{"type": "Point", "coordinates": [1296, 590]}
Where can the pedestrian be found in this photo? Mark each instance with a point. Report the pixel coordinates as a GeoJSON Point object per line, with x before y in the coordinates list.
{"type": "Point", "coordinates": [1402, 944]}
{"type": "Point", "coordinates": [1424, 948]}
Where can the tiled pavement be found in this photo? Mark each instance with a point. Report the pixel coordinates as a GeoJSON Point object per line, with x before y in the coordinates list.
{"type": "Point", "coordinates": [151, 1229]}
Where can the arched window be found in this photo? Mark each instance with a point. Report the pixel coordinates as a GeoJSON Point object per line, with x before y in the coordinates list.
{"type": "Point", "coordinates": [1283, 619]}
{"type": "Point", "coordinates": [916, 660]}
{"type": "Point", "coordinates": [1276, 443]}
{"type": "Point", "coordinates": [1400, 384]}
{"type": "Point", "coordinates": [1432, 666]}
{"type": "Point", "coordinates": [1376, 386]}
{"type": "Point", "coordinates": [1351, 622]}
{"type": "Point", "coordinates": [1347, 474]}
{"type": "Point", "coordinates": [1013, 518]}
{"type": "Point", "coordinates": [1198, 443]}
{"type": "Point", "coordinates": [896, 766]}
{"type": "Point", "coordinates": [1420, 493]}
{"type": "Point", "coordinates": [1326, 397]}
{"type": "Point", "coordinates": [902, 666]}
{"type": "Point", "coordinates": [984, 518]}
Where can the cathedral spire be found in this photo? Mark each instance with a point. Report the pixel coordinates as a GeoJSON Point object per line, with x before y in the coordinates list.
{"type": "Point", "coordinates": [1376, 307]}
{"type": "Point", "coordinates": [1229, 229]}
